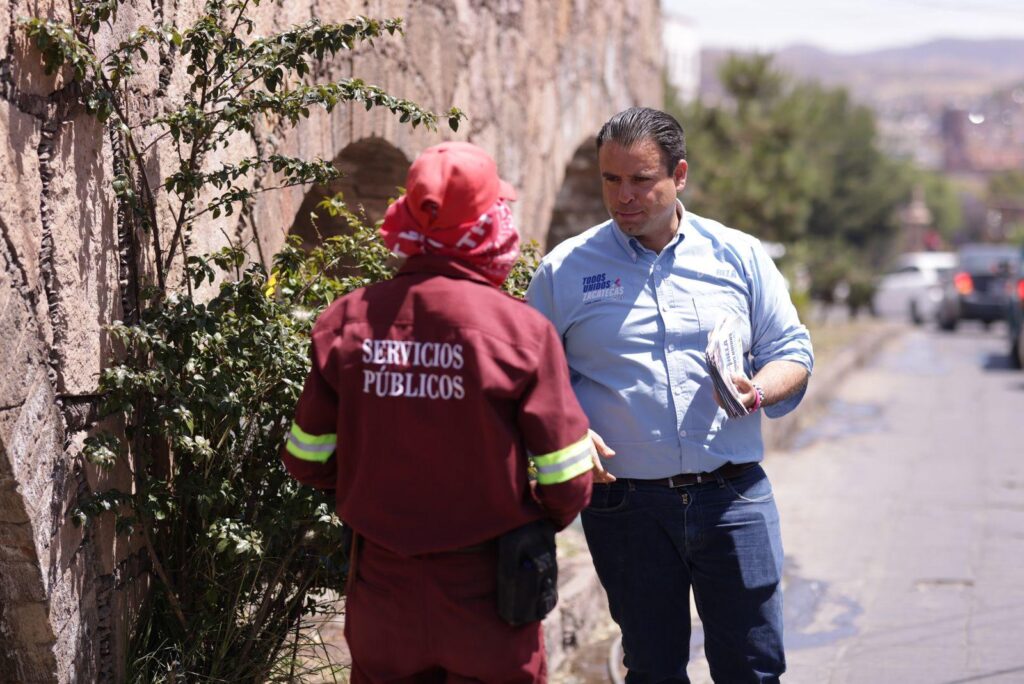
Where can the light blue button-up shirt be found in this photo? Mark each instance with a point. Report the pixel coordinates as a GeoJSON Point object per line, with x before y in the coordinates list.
{"type": "Point", "coordinates": [635, 325]}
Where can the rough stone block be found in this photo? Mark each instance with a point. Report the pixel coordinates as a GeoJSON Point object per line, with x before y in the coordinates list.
{"type": "Point", "coordinates": [20, 188]}
{"type": "Point", "coordinates": [32, 621]}
{"type": "Point", "coordinates": [15, 441]}
{"type": "Point", "coordinates": [15, 534]}
{"type": "Point", "coordinates": [85, 255]}
{"type": "Point", "coordinates": [17, 553]}
{"type": "Point", "coordinates": [36, 666]}
{"type": "Point", "coordinates": [68, 620]}
{"type": "Point", "coordinates": [12, 510]}
{"type": "Point", "coordinates": [33, 444]}
{"type": "Point", "coordinates": [18, 349]}
{"type": "Point", "coordinates": [5, 31]}
{"type": "Point", "coordinates": [67, 541]}
{"type": "Point", "coordinates": [21, 582]}
{"type": "Point", "coordinates": [29, 76]}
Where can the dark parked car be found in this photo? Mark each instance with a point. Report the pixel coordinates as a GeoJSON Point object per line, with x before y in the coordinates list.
{"type": "Point", "coordinates": [981, 286]}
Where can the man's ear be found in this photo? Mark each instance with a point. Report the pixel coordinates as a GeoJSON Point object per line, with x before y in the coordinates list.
{"type": "Point", "coordinates": [679, 175]}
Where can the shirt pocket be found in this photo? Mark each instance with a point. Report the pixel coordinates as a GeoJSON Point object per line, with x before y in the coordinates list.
{"type": "Point", "coordinates": [712, 308]}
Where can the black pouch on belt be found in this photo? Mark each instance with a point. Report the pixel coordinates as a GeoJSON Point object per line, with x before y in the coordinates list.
{"type": "Point", "coordinates": [527, 573]}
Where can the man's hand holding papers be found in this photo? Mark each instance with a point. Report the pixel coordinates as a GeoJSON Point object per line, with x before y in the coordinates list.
{"type": "Point", "coordinates": [725, 364]}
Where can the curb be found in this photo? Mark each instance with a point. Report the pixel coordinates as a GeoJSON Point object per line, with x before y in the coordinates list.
{"type": "Point", "coordinates": [582, 606]}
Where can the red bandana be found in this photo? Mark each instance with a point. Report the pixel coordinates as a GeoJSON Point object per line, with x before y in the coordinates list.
{"type": "Point", "coordinates": [489, 243]}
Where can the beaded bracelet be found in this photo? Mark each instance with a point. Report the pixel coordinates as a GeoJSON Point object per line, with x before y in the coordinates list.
{"type": "Point", "coordinates": [758, 397]}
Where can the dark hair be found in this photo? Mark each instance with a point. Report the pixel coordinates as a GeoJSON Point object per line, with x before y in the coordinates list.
{"type": "Point", "coordinates": [637, 124]}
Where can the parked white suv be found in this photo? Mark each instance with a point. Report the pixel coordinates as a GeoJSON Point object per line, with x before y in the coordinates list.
{"type": "Point", "coordinates": [913, 288]}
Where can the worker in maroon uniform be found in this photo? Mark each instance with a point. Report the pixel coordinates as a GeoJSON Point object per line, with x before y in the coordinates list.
{"type": "Point", "coordinates": [427, 395]}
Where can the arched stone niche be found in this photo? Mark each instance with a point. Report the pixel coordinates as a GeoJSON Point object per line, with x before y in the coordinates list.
{"type": "Point", "coordinates": [373, 171]}
{"type": "Point", "coordinates": [578, 205]}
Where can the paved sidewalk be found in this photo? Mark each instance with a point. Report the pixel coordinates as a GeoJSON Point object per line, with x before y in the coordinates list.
{"type": "Point", "coordinates": [904, 524]}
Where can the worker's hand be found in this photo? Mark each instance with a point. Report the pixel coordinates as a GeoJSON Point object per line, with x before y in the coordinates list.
{"type": "Point", "coordinates": [748, 395]}
{"type": "Point", "coordinates": [601, 450]}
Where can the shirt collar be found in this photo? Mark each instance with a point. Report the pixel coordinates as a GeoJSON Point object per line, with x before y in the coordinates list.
{"type": "Point", "coordinates": [442, 265]}
{"type": "Point", "coordinates": [632, 247]}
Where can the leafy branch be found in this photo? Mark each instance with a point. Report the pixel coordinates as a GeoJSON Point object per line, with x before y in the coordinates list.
{"type": "Point", "coordinates": [237, 85]}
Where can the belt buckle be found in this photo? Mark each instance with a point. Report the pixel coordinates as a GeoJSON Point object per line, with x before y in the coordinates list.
{"type": "Point", "coordinates": [672, 484]}
{"type": "Point", "coordinates": [687, 479]}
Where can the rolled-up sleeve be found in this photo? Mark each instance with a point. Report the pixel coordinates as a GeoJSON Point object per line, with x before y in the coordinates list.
{"type": "Point", "coordinates": [776, 331]}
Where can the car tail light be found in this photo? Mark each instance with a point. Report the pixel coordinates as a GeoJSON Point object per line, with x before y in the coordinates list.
{"type": "Point", "coordinates": [1020, 289]}
{"type": "Point", "coordinates": [963, 283]}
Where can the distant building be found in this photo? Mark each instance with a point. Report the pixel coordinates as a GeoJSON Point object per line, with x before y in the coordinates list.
{"type": "Point", "coordinates": [682, 56]}
{"type": "Point", "coordinates": [988, 138]}
{"type": "Point", "coordinates": [954, 139]}
{"type": "Point", "coordinates": [906, 132]}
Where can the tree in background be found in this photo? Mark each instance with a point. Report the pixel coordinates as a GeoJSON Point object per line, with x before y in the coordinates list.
{"type": "Point", "coordinates": [1005, 196]}
{"type": "Point", "coordinates": [943, 200]}
{"type": "Point", "coordinates": [801, 164]}
{"type": "Point", "coordinates": [748, 166]}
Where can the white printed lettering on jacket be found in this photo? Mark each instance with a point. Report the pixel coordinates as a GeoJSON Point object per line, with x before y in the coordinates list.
{"type": "Point", "coordinates": [397, 373]}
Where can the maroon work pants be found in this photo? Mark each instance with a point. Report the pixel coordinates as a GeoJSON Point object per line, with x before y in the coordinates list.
{"type": "Point", "coordinates": [434, 618]}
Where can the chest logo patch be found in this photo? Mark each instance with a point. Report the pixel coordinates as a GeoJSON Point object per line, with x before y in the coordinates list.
{"type": "Point", "coordinates": [599, 287]}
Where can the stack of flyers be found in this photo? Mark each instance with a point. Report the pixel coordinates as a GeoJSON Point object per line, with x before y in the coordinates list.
{"type": "Point", "coordinates": [725, 359]}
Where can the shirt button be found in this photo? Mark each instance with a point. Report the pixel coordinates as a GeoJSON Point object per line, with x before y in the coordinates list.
{"type": "Point", "coordinates": [678, 389]}
{"type": "Point", "coordinates": [657, 268]}
{"type": "Point", "coordinates": [682, 433]}
{"type": "Point", "coordinates": [671, 347]}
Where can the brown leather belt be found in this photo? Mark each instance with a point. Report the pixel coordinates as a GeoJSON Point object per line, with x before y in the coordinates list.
{"type": "Point", "coordinates": [726, 472]}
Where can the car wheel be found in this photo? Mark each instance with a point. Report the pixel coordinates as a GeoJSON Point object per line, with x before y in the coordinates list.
{"type": "Point", "coordinates": [915, 314]}
{"type": "Point", "coordinates": [1017, 349]}
{"type": "Point", "coordinates": [947, 324]}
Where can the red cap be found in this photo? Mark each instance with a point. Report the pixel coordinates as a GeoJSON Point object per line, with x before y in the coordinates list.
{"type": "Point", "coordinates": [460, 178]}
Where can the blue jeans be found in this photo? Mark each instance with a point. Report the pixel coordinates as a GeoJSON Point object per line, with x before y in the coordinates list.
{"type": "Point", "coordinates": [650, 544]}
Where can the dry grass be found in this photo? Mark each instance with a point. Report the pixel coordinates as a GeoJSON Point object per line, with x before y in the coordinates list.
{"type": "Point", "coordinates": [830, 337]}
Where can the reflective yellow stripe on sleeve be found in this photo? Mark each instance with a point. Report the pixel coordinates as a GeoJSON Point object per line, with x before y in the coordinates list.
{"type": "Point", "coordinates": [565, 464]}
{"type": "Point", "coordinates": [307, 447]}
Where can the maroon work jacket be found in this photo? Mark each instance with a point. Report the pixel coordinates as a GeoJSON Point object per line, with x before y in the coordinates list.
{"type": "Point", "coordinates": [433, 388]}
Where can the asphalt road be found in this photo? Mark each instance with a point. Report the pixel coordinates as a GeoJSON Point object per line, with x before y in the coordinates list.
{"type": "Point", "coordinates": [903, 520]}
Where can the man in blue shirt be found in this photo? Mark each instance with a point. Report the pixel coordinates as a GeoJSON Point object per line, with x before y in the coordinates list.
{"type": "Point", "coordinates": [682, 500]}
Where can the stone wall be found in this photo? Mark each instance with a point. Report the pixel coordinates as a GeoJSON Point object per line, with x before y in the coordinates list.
{"type": "Point", "coordinates": [536, 78]}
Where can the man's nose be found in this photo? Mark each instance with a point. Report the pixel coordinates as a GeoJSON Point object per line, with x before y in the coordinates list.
{"type": "Point", "coordinates": [626, 193]}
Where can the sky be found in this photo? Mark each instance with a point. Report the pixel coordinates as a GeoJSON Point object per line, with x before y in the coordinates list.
{"type": "Point", "coordinates": [847, 25]}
